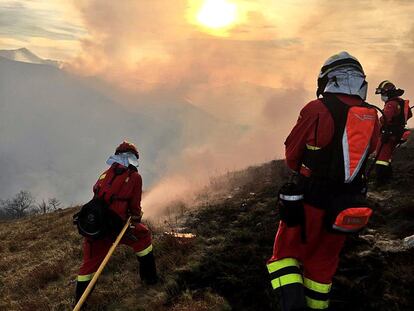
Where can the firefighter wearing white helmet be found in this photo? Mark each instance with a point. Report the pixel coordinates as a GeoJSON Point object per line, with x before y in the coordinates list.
{"type": "Point", "coordinates": [342, 74]}
{"type": "Point", "coordinates": [327, 151]}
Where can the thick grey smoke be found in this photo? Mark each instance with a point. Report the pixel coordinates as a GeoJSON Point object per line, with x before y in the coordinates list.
{"type": "Point", "coordinates": [196, 105]}
{"type": "Point", "coordinates": [56, 131]}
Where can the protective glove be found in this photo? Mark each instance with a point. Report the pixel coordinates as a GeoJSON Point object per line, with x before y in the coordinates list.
{"type": "Point", "coordinates": [136, 219]}
{"type": "Point", "coordinates": [386, 134]}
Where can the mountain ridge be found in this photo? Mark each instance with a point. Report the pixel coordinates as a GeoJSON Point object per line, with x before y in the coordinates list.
{"type": "Point", "coordinates": [24, 55]}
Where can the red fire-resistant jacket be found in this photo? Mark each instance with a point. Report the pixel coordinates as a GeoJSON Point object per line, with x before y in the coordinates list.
{"type": "Point", "coordinates": [126, 190]}
{"type": "Point", "coordinates": [315, 127]}
{"type": "Point", "coordinates": [392, 109]}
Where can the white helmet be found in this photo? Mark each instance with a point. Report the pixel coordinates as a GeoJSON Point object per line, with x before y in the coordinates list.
{"type": "Point", "coordinates": [342, 73]}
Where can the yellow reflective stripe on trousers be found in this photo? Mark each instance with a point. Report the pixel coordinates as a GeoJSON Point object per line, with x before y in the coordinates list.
{"type": "Point", "coordinates": [282, 263]}
{"type": "Point", "coordinates": [386, 163]}
{"type": "Point", "coordinates": [317, 287]}
{"type": "Point", "coordinates": [309, 147]}
{"type": "Point", "coordinates": [286, 280]}
{"type": "Point", "coordinates": [317, 304]}
{"type": "Point", "coordinates": [85, 278]}
{"type": "Point", "coordinates": [145, 251]}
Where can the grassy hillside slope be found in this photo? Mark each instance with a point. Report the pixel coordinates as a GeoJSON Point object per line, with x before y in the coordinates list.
{"type": "Point", "coordinates": [224, 267]}
{"type": "Point", "coordinates": [40, 257]}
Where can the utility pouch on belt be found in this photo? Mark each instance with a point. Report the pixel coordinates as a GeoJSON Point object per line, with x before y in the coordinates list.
{"type": "Point", "coordinates": [347, 213]}
{"type": "Point", "coordinates": [291, 209]}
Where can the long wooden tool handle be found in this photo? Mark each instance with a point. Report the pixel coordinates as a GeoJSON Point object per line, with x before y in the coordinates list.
{"type": "Point", "coordinates": [101, 267]}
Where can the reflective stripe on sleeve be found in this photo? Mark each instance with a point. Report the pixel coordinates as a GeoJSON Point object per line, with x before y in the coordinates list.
{"type": "Point", "coordinates": [85, 278]}
{"type": "Point", "coordinates": [317, 304]}
{"type": "Point", "coordinates": [297, 197]}
{"type": "Point", "coordinates": [145, 251]}
{"type": "Point", "coordinates": [282, 263]}
{"type": "Point", "coordinates": [385, 163]}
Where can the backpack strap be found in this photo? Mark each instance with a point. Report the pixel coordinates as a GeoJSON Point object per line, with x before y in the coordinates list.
{"type": "Point", "coordinates": [402, 115]}
{"type": "Point", "coordinates": [330, 164]}
{"type": "Point", "coordinates": [333, 163]}
{"type": "Point", "coordinates": [114, 197]}
{"type": "Point", "coordinates": [101, 192]}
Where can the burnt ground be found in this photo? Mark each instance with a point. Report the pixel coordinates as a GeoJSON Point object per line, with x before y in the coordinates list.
{"type": "Point", "coordinates": [236, 227]}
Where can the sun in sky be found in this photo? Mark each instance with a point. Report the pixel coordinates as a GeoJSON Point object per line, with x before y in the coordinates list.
{"type": "Point", "coordinates": [217, 13]}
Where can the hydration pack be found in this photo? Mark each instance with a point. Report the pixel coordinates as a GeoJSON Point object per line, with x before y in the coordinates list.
{"type": "Point", "coordinates": [337, 181]}
{"type": "Point", "coordinates": [406, 113]}
{"type": "Point", "coordinates": [397, 127]}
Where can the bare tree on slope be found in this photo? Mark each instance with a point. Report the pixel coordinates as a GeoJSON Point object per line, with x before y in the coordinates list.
{"type": "Point", "coordinates": [19, 206]}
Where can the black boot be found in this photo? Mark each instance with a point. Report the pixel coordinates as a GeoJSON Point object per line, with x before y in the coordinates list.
{"type": "Point", "coordinates": [147, 269]}
{"type": "Point", "coordinates": [80, 288]}
{"type": "Point", "coordinates": [383, 174]}
{"type": "Point", "coordinates": [292, 297]}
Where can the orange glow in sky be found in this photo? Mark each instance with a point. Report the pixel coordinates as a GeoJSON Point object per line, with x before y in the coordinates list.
{"type": "Point", "coordinates": [217, 14]}
{"type": "Point", "coordinates": [275, 44]}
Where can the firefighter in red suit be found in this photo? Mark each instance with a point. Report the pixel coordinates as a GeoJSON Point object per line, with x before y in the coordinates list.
{"type": "Point", "coordinates": [396, 113]}
{"type": "Point", "coordinates": [121, 186]}
{"type": "Point", "coordinates": [305, 255]}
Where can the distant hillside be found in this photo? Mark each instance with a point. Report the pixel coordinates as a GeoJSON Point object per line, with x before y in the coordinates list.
{"type": "Point", "coordinates": [26, 56]}
{"type": "Point", "coordinates": [56, 131]}
{"type": "Point", "coordinates": [223, 268]}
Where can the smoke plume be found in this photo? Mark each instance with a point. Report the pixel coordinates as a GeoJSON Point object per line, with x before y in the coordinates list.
{"type": "Point", "coordinates": [197, 104]}
{"type": "Point", "coordinates": [255, 78]}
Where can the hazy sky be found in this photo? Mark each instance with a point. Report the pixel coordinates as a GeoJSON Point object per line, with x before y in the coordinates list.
{"type": "Point", "coordinates": [250, 63]}
{"type": "Point", "coordinates": [153, 42]}
{"type": "Point", "coordinates": [220, 55]}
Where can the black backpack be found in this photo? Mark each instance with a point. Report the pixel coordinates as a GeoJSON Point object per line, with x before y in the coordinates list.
{"type": "Point", "coordinates": [96, 220]}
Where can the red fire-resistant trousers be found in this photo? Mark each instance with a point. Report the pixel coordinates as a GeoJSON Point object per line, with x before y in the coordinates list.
{"type": "Point", "coordinates": [385, 151]}
{"type": "Point", "coordinates": [303, 271]}
{"type": "Point", "coordinates": [383, 162]}
{"type": "Point", "coordinates": [94, 251]}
